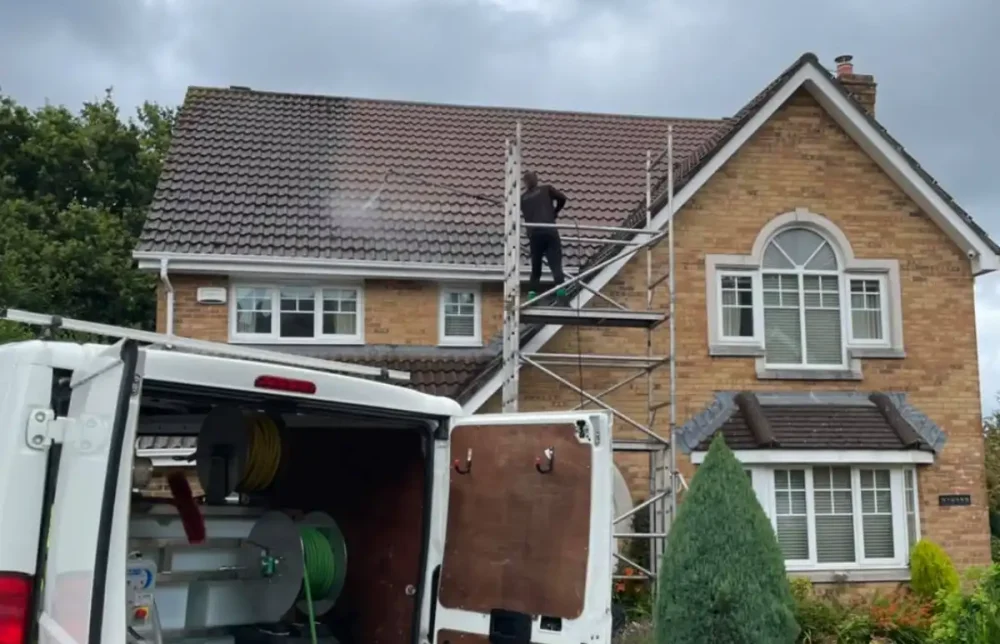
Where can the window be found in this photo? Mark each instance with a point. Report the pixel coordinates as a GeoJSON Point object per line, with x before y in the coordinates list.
{"type": "Point", "coordinates": [253, 310]}
{"type": "Point", "coordinates": [841, 517]}
{"type": "Point", "coordinates": [791, 521]}
{"type": "Point", "coordinates": [460, 316]}
{"type": "Point", "coordinates": [801, 302]}
{"type": "Point", "coordinates": [737, 305]}
{"type": "Point", "coordinates": [296, 314]}
{"type": "Point", "coordinates": [910, 492]}
{"type": "Point", "coordinates": [867, 311]}
{"type": "Point", "coordinates": [340, 312]}
{"type": "Point", "coordinates": [801, 289]}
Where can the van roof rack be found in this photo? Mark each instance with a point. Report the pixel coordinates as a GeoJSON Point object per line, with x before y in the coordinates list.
{"type": "Point", "coordinates": [204, 347]}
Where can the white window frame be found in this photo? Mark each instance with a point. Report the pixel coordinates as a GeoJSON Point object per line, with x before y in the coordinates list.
{"type": "Point", "coordinates": [758, 320]}
{"type": "Point", "coordinates": [764, 488]}
{"type": "Point", "coordinates": [800, 276]}
{"type": "Point", "coordinates": [883, 286]}
{"type": "Point", "coordinates": [475, 340]}
{"type": "Point", "coordinates": [849, 267]}
{"type": "Point", "coordinates": [318, 337]}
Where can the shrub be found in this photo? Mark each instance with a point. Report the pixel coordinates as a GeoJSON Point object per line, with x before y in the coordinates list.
{"type": "Point", "coordinates": [901, 617]}
{"type": "Point", "coordinates": [722, 579]}
{"type": "Point", "coordinates": [635, 633]}
{"type": "Point", "coordinates": [819, 615]}
{"type": "Point", "coordinates": [634, 596]}
{"type": "Point", "coordinates": [931, 570]}
{"type": "Point", "coordinates": [971, 617]}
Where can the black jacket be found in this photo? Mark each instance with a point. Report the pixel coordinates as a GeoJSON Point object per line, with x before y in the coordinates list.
{"type": "Point", "coordinates": [542, 205]}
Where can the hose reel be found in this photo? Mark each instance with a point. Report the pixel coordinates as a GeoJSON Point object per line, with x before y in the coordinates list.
{"type": "Point", "coordinates": [304, 564]}
{"type": "Point", "coordinates": [239, 451]}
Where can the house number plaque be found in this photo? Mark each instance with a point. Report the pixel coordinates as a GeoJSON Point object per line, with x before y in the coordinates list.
{"type": "Point", "coordinates": [954, 499]}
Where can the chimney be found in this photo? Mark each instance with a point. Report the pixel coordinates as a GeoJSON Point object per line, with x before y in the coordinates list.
{"type": "Point", "coordinates": [860, 86]}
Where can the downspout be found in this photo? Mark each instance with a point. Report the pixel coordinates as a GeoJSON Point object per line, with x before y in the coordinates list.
{"type": "Point", "coordinates": [170, 295]}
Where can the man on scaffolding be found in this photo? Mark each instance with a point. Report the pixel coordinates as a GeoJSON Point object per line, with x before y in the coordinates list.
{"type": "Point", "coordinates": [541, 204]}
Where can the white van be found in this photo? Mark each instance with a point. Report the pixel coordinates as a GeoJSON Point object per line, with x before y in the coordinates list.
{"type": "Point", "coordinates": [337, 508]}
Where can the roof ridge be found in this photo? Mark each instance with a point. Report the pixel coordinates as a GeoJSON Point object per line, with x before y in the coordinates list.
{"type": "Point", "coordinates": [466, 106]}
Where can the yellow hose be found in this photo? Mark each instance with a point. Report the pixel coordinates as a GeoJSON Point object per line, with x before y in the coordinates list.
{"type": "Point", "coordinates": [263, 453]}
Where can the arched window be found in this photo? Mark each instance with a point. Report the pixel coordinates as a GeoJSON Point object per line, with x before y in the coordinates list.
{"type": "Point", "coordinates": [801, 303]}
{"type": "Point", "coordinates": [801, 289]}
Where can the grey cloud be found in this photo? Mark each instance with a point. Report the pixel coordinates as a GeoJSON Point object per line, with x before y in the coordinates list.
{"type": "Point", "coordinates": [935, 63]}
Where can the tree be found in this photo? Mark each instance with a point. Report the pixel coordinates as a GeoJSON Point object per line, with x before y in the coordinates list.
{"type": "Point", "coordinates": [74, 190]}
{"type": "Point", "coordinates": [723, 574]}
{"type": "Point", "coordinates": [991, 430]}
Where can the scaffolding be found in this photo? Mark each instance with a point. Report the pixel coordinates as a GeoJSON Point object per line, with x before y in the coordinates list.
{"type": "Point", "coordinates": [664, 479]}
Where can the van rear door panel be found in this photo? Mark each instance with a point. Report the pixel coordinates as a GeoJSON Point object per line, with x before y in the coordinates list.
{"type": "Point", "coordinates": [526, 517]}
{"type": "Point", "coordinates": [101, 422]}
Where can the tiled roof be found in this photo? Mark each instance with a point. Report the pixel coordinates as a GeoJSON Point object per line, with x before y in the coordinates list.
{"type": "Point", "coordinates": [829, 421]}
{"type": "Point", "coordinates": [261, 173]}
{"type": "Point", "coordinates": [440, 371]}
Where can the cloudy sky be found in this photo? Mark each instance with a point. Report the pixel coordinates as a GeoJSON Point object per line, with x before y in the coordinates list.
{"type": "Point", "coordinates": [936, 64]}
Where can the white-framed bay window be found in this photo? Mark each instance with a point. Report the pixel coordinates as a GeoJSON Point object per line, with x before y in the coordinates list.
{"type": "Point", "coordinates": [802, 303]}
{"type": "Point", "coordinates": [297, 314]}
{"type": "Point", "coordinates": [838, 517]}
{"type": "Point", "coordinates": [460, 317]}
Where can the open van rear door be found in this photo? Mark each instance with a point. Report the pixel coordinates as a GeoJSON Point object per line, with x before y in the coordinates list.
{"type": "Point", "coordinates": [78, 605]}
{"type": "Point", "coordinates": [528, 534]}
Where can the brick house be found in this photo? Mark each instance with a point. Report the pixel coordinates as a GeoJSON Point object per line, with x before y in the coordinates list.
{"type": "Point", "coordinates": [825, 319]}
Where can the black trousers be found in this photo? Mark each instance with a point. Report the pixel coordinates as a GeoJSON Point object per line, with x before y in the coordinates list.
{"type": "Point", "coordinates": [545, 242]}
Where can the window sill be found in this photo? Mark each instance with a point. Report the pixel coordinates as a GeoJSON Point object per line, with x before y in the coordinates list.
{"type": "Point", "coordinates": [865, 575]}
{"type": "Point", "coordinates": [877, 352]}
{"type": "Point", "coordinates": [765, 373]}
{"type": "Point", "coordinates": [460, 343]}
{"type": "Point", "coordinates": [300, 342]}
{"type": "Point", "coordinates": [735, 350]}
{"type": "Point", "coordinates": [852, 373]}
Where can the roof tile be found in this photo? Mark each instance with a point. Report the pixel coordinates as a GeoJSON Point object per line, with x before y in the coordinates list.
{"type": "Point", "coordinates": [812, 421]}
{"type": "Point", "coordinates": [260, 173]}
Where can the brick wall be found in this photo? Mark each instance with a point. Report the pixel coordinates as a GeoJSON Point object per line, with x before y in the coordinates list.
{"type": "Point", "coordinates": [396, 311]}
{"type": "Point", "coordinates": [799, 159]}
{"type": "Point", "coordinates": [803, 159]}
{"type": "Point", "coordinates": [191, 319]}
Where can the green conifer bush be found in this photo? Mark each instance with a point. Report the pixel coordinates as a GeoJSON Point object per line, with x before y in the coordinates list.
{"type": "Point", "coordinates": [722, 578]}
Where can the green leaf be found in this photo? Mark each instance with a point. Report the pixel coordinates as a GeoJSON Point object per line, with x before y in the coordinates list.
{"type": "Point", "coordinates": [74, 191]}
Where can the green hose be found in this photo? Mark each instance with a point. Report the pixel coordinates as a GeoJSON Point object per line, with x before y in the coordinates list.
{"type": "Point", "coordinates": [319, 571]}
{"type": "Point", "coordinates": [318, 562]}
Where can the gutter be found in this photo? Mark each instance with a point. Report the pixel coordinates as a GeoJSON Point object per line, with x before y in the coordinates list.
{"type": "Point", "coordinates": [270, 265]}
{"type": "Point", "coordinates": [170, 295]}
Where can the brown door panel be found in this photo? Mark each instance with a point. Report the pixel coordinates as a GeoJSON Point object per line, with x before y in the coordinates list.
{"type": "Point", "coordinates": [517, 538]}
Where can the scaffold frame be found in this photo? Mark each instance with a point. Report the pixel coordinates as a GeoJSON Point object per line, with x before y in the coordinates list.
{"type": "Point", "coordinates": [664, 479]}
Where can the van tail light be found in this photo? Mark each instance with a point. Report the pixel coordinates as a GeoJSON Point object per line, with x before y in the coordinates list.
{"type": "Point", "coordinates": [278, 383]}
{"type": "Point", "coordinates": [15, 599]}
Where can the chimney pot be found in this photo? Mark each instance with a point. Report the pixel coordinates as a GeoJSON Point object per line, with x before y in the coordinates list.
{"type": "Point", "coordinates": [844, 65]}
{"type": "Point", "coordinates": [861, 87]}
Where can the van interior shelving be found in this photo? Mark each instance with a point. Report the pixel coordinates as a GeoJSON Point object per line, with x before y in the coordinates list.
{"type": "Point", "coordinates": [326, 477]}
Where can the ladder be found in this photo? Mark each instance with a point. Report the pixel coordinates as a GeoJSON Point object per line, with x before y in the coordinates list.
{"type": "Point", "coordinates": [203, 347]}
{"type": "Point", "coordinates": [511, 273]}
